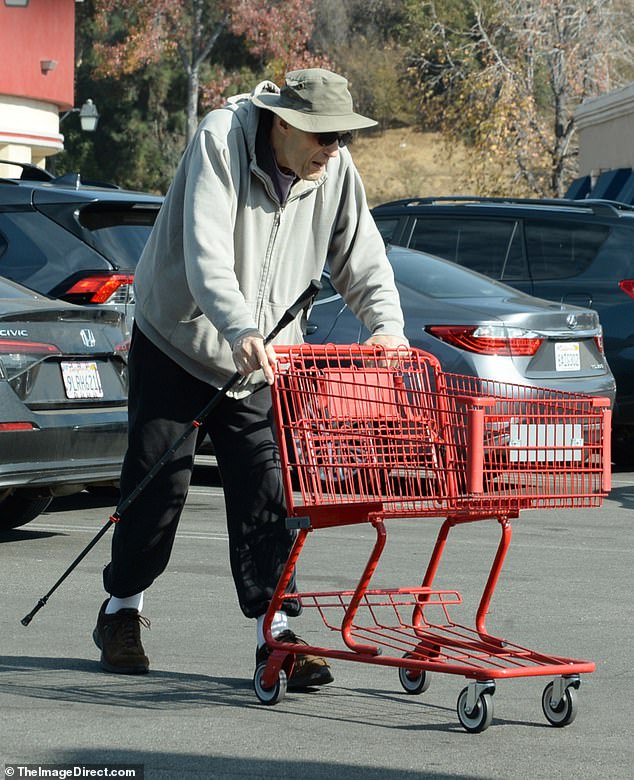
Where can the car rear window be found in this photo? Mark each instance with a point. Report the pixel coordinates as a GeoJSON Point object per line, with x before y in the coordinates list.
{"type": "Point", "coordinates": [119, 233]}
{"type": "Point", "coordinates": [489, 246]}
{"type": "Point", "coordinates": [387, 226]}
{"type": "Point", "coordinates": [615, 258]}
{"type": "Point", "coordinates": [439, 279]}
{"type": "Point", "coordinates": [559, 249]}
{"type": "Point", "coordinates": [9, 291]}
{"type": "Point", "coordinates": [39, 253]}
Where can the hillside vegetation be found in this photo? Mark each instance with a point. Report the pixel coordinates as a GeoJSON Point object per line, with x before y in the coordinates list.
{"type": "Point", "coordinates": [406, 163]}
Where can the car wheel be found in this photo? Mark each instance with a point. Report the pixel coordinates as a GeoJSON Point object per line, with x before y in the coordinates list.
{"type": "Point", "coordinates": [17, 509]}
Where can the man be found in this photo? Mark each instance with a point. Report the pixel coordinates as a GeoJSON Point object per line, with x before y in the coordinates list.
{"type": "Point", "coordinates": [264, 196]}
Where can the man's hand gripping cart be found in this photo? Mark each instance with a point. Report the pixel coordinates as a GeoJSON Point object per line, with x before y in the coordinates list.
{"type": "Point", "coordinates": [367, 435]}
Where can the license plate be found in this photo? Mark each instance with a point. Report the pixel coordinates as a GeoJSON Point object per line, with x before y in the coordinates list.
{"type": "Point", "coordinates": [567, 356]}
{"type": "Point", "coordinates": [82, 380]}
{"type": "Point", "coordinates": [545, 442]}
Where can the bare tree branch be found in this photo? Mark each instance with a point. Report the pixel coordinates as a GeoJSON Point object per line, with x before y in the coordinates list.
{"type": "Point", "coordinates": [510, 80]}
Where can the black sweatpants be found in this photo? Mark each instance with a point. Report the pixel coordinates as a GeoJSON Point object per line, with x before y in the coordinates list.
{"type": "Point", "coordinates": [163, 401]}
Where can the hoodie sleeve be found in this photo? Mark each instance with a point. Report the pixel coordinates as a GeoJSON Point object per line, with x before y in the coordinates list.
{"type": "Point", "coordinates": [359, 265]}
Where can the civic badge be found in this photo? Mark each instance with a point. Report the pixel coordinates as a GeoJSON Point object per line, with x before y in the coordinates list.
{"type": "Point", "coordinates": [88, 337]}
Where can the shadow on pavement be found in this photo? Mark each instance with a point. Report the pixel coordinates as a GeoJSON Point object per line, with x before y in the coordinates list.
{"type": "Point", "coordinates": [24, 535]}
{"type": "Point", "coordinates": [161, 766]}
{"type": "Point", "coordinates": [81, 681]}
{"type": "Point", "coordinates": [624, 495]}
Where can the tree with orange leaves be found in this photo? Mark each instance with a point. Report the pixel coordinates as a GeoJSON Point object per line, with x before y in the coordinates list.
{"type": "Point", "coordinates": [141, 32]}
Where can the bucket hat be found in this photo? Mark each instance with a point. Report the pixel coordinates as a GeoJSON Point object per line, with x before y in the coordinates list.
{"type": "Point", "coordinates": [316, 101]}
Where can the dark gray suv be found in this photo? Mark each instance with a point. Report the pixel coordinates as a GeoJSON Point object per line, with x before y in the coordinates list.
{"type": "Point", "coordinates": [63, 367]}
{"type": "Point", "coordinates": [578, 252]}
{"type": "Point", "coordinates": [74, 240]}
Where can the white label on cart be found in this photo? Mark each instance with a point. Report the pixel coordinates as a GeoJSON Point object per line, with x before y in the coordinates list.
{"type": "Point", "coordinates": [82, 380]}
{"type": "Point", "coordinates": [545, 442]}
{"type": "Point", "coordinates": [567, 356]}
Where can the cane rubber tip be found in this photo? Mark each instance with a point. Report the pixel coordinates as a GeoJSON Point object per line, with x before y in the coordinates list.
{"type": "Point", "coordinates": [26, 620]}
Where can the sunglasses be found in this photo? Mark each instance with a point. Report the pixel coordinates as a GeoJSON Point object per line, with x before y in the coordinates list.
{"type": "Point", "coordinates": [328, 139]}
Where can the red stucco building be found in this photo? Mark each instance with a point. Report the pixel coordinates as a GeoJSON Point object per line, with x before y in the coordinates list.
{"type": "Point", "coordinates": [37, 65]}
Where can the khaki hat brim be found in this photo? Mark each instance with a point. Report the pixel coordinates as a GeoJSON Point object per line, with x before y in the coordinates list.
{"type": "Point", "coordinates": [313, 123]}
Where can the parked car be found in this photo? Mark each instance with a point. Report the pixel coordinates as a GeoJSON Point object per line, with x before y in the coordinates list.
{"type": "Point", "coordinates": [481, 328]}
{"type": "Point", "coordinates": [63, 400]}
{"type": "Point", "coordinates": [73, 240]}
{"type": "Point", "coordinates": [573, 252]}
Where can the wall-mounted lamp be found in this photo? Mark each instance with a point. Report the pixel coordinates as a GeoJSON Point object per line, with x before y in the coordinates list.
{"type": "Point", "coordinates": [88, 116]}
{"type": "Point", "coordinates": [47, 65]}
{"type": "Point", "coordinates": [16, 3]}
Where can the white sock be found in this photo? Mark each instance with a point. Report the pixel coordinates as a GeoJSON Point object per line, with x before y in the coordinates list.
{"type": "Point", "coordinates": [280, 623]}
{"type": "Point", "coordinates": [130, 602]}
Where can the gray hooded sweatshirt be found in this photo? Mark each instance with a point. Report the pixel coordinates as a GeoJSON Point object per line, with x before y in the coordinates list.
{"type": "Point", "coordinates": [226, 257]}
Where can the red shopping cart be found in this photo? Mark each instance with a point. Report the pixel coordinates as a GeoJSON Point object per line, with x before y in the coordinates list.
{"type": "Point", "coordinates": [368, 434]}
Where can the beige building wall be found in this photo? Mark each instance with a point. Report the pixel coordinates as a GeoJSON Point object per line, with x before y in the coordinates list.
{"type": "Point", "coordinates": [605, 129]}
{"type": "Point", "coordinates": [29, 132]}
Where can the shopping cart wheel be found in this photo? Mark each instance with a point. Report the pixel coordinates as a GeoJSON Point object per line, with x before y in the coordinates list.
{"type": "Point", "coordinates": [412, 680]}
{"type": "Point", "coordinates": [565, 711]}
{"type": "Point", "coordinates": [269, 695]}
{"type": "Point", "coordinates": [480, 717]}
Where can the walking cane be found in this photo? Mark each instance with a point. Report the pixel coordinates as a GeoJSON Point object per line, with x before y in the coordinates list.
{"type": "Point", "coordinates": [304, 300]}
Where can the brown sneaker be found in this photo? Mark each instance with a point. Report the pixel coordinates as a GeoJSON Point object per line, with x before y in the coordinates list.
{"type": "Point", "coordinates": [308, 670]}
{"type": "Point", "coordinates": [118, 636]}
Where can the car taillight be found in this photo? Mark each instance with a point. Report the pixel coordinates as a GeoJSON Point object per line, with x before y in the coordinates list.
{"type": "Point", "coordinates": [627, 285]}
{"type": "Point", "coordinates": [598, 340]}
{"type": "Point", "coordinates": [123, 348]}
{"type": "Point", "coordinates": [17, 426]}
{"type": "Point", "coordinates": [488, 339]}
{"type": "Point", "coordinates": [18, 362]}
{"type": "Point", "coordinates": [18, 356]}
{"type": "Point", "coordinates": [101, 289]}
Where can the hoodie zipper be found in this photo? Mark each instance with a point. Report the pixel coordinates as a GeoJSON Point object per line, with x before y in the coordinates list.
{"type": "Point", "coordinates": [266, 266]}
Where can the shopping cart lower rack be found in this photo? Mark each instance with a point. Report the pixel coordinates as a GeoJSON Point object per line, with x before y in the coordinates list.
{"type": "Point", "coordinates": [368, 434]}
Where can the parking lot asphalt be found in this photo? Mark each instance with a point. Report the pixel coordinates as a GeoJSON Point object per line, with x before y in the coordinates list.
{"type": "Point", "coordinates": [566, 588]}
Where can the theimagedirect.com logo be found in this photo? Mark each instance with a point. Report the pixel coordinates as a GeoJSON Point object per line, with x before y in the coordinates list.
{"type": "Point", "coordinates": [65, 771]}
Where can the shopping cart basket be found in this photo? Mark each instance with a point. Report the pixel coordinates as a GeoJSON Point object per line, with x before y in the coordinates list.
{"type": "Point", "coordinates": [367, 434]}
